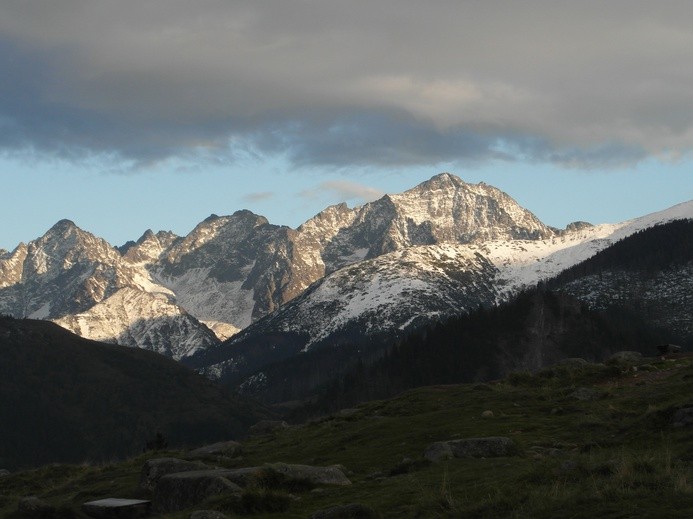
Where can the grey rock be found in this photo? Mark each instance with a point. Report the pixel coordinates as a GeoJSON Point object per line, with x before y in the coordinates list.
{"type": "Point", "coordinates": [116, 508]}
{"type": "Point", "coordinates": [4, 472]}
{"type": "Point", "coordinates": [267, 426]}
{"type": "Point", "coordinates": [585, 394]}
{"type": "Point", "coordinates": [350, 511]}
{"type": "Point", "coordinates": [668, 349]}
{"type": "Point", "coordinates": [229, 448]}
{"type": "Point", "coordinates": [541, 452]}
{"type": "Point", "coordinates": [488, 447]}
{"type": "Point", "coordinates": [33, 505]}
{"type": "Point", "coordinates": [683, 417]}
{"type": "Point", "coordinates": [625, 357]}
{"type": "Point", "coordinates": [208, 514]}
{"type": "Point", "coordinates": [186, 489]}
{"type": "Point", "coordinates": [438, 451]}
{"type": "Point", "coordinates": [332, 475]}
{"type": "Point", "coordinates": [154, 469]}
{"type": "Point", "coordinates": [574, 362]}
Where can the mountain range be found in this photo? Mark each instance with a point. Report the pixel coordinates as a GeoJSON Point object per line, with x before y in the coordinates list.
{"type": "Point", "coordinates": [238, 293]}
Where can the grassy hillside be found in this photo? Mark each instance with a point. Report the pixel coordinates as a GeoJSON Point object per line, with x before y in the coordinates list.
{"type": "Point", "coordinates": [609, 449]}
{"type": "Point", "coordinates": [68, 399]}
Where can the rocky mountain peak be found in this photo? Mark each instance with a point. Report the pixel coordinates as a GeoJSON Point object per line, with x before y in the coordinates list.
{"type": "Point", "coordinates": [65, 245]}
{"type": "Point", "coordinates": [578, 226]}
{"type": "Point", "coordinates": [457, 212]}
{"type": "Point", "coordinates": [12, 265]}
{"type": "Point", "coordinates": [63, 226]}
{"type": "Point", "coordinates": [146, 249]}
{"type": "Point", "coordinates": [148, 235]}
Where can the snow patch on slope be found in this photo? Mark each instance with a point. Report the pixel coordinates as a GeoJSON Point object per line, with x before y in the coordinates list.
{"type": "Point", "coordinates": [139, 319]}
{"type": "Point", "coordinates": [209, 299]}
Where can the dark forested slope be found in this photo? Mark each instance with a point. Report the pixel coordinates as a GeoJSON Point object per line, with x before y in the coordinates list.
{"type": "Point", "coordinates": [64, 398]}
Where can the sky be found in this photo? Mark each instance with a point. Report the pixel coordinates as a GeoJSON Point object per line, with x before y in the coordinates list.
{"type": "Point", "coordinates": [125, 115]}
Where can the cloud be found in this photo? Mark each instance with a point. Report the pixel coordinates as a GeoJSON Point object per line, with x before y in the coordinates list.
{"type": "Point", "coordinates": [341, 84]}
{"type": "Point", "coordinates": [258, 197]}
{"type": "Point", "coordinates": [341, 190]}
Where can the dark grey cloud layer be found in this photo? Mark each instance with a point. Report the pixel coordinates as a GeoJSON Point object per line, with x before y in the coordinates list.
{"type": "Point", "coordinates": [386, 83]}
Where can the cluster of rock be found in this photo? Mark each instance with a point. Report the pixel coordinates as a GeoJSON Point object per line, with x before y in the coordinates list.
{"type": "Point", "coordinates": [177, 484]}
{"type": "Point", "coordinates": [488, 447]}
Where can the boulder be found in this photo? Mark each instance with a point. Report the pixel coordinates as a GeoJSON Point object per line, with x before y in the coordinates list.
{"type": "Point", "coordinates": [487, 414]}
{"type": "Point", "coordinates": [267, 426]}
{"type": "Point", "coordinates": [585, 394]}
{"type": "Point", "coordinates": [488, 447]}
{"type": "Point", "coordinates": [438, 451]}
{"type": "Point", "coordinates": [228, 448]}
{"type": "Point", "coordinates": [683, 417]}
{"type": "Point", "coordinates": [4, 472]}
{"type": "Point", "coordinates": [182, 490]}
{"type": "Point", "coordinates": [625, 357]}
{"type": "Point", "coordinates": [332, 475]}
{"type": "Point", "coordinates": [573, 363]}
{"type": "Point", "coordinates": [668, 349]}
{"type": "Point", "coordinates": [32, 505]}
{"type": "Point", "coordinates": [350, 511]}
{"type": "Point", "coordinates": [156, 468]}
{"type": "Point", "coordinates": [116, 508]}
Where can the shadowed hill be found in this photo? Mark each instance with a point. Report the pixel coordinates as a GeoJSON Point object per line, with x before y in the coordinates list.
{"type": "Point", "coordinates": [65, 398]}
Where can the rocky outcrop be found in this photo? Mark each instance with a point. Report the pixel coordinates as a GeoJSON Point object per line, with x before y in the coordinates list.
{"type": "Point", "coordinates": [154, 469]}
{"type": "Point", "coordinates": [208, 514]}
{"type": "Point", "coordinates": [350, 511]}
{"type": "Point", "coordinates": [267, 427]}
{"type": "Point", "coordinates": [332, 475]}
{"type": "Point", "coordinates": [487, 447]}
{"type": "Point", "coordinates": [116, 508]}
{"type": "Point", "coordinates": [34, 506]}
{"type": "Point", "coordinates": [175, 492]}
{"type": "Point", "coordinates": [226, 449]}
{"type": "Point", "coordinates": [683, 417]}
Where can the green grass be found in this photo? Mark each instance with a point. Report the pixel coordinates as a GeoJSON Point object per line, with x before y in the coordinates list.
{"type": "Point", "coordinates": [615, 456]}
